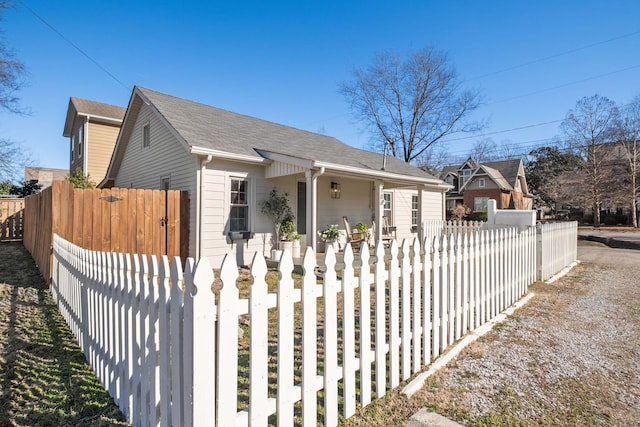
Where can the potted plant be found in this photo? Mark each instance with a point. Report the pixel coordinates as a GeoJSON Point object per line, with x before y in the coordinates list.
{"type": "Point", "coordinates": [276, 207]}
{"type": "Point", "coordinates": [288, 232]}
{"type": "Point", "coordinates": [330, 235]}
{"type": "Point", "coordinates": [363, 231]}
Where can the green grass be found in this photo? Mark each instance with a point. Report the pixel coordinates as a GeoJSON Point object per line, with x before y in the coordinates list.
{"type": "Point", "coordinates": [44, 378]}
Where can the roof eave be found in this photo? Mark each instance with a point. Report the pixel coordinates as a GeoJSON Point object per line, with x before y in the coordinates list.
{"type": "Point", "coordinates": [202, 151]}
{"type": "Point", "coordinates": [383, 175]}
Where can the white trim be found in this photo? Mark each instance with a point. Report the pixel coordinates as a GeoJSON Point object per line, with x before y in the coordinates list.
{"type": "Point", "coordinates": [100, 118]}
{"type": "Point", "coordinates": [228, 156]}
{"type": "Point", "coordinates": [251, 199]}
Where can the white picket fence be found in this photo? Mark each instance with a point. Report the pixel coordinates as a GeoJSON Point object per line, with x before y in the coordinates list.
{"type": "Point", "coordinates": [557, 247]}
{"type": "Point", "coordinates": [169, 350]}
{"type": "Point", "coordinates": [436, 227]}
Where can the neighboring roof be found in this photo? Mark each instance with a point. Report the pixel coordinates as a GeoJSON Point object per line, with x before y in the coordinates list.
{"type": "Point", "coordinates": [453, 170]}
{"type": "Point", "coordinates": [505, 173]}
{"type": "Point", "coordinates": [496, 176]}
{"type": "Point", "coordinates": [96, 110]}
{"type": "Point", "coordinates": [209, 130]}
{"type": "Point", "coordinates": [509, 169]}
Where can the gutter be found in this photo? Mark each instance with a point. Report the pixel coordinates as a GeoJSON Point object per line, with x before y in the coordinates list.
{"type": "Point", "coordinates": [228, 156]}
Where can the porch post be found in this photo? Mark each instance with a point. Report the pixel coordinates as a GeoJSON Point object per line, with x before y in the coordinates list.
{"type": "Point", "coordinates": [377, 209]}
{"type": "Point", "coordinates": [312, 207]}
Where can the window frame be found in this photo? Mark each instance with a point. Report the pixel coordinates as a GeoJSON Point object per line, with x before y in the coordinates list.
{"type": "Point", "coordinates": [80, 140]}
{"type": "Point", "coordinates": [247, 205]}
{"type": "Point", "coordinates": [73, 146]}
{"type": "Point", "coordinates": [146, 135]}
{"type": "Point", "coordinates": [415, 208]}
{"type": "Point", "coordinates": [475, 204]}
{"type": "Point", "coordinates": [389, 209]}
{"type": "Point", "coordinates": [481, 183]}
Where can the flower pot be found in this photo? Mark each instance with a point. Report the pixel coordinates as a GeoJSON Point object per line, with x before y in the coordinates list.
{"type": "Point", "coordinates": [287, 246]}
{"type": "Point", "coordinates": [276, 254]}
{"type": "Point", "coordinates": [295, 251]}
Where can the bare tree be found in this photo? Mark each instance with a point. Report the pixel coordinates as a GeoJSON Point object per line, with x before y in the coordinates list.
{"type": "Point", "coordinates": [590, 128]}
{"type": "Point", "coordinates": [411, 103]}
{"type": "Point", "coordinates": [484, 150]}
{"type": "Point", "coordinates": [629, 139]}
{"type": "Point", "coordinates": [12, 156]}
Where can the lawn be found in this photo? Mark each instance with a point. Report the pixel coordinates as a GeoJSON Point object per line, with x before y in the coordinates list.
{"type": "Point", "coordinates": [44, 378]}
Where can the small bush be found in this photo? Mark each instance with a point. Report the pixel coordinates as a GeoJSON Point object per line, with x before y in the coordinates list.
{"type": "Point", "coordinates": [478, 216]}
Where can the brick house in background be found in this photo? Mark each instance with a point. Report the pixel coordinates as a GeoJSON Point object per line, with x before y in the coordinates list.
{"type": "Point", "coordinates": [475, 183]}
{"type": "Point", "coordinates": [92, 128]}
{"type": "Point", "coordinates": [44, 176]}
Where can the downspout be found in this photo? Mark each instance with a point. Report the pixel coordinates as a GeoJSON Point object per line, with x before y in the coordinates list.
{"type": "Point", "coordinates": [199, 198]}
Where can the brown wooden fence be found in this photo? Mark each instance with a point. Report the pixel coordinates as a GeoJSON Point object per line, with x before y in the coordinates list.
{"type": "Point", "coordinates": [11, 212]}
{"type": "Point", "coordinates": [113, 220]}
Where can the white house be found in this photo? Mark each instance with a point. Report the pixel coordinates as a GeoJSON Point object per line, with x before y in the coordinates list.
{"type": "Point", "coordinates": [229, 162]}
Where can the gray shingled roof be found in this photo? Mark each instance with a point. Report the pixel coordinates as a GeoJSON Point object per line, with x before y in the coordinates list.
{"type": "Point", "coordinates": [206, 127]}
{"type": "Point", "coordinates": [508, 168]}
{"type": "Point", "coordinates": [91, 108]}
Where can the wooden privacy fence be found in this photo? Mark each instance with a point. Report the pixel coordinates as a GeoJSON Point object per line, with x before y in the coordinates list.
{"type": "Point", "coordinates": [111, 220]}
{"type": "Point", "coordinates": [169, 351]}
{"type": "Point", "coordinates": [11, 214]}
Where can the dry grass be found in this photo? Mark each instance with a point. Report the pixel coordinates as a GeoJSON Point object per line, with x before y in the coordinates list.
{"type": "Point", "coordinates": [44, 378]}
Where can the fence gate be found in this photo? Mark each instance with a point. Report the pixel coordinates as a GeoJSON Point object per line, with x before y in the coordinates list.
{"type": "Point", "coordinates": [11, 218]}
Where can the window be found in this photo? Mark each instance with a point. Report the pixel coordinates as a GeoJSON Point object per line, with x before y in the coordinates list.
{"type": "Point", "coordinates": [80, 140]}
{"type": "Point", "coordinates": [465, 174]}
{"type": "Point", "coordinates": [480, 204]}
{"type": "Point", "coordinates": [414, 211]}
{"type": "Point", "coordinates": [387, 207]}
{"type": "Point", "coordinates": [239, 212]}
{"type": "Point", "coordinates": [73, 148]}
{"type": "Point", "coordinates": [481, 183]}
{"type": "Point", "coordinates": [146, 136]}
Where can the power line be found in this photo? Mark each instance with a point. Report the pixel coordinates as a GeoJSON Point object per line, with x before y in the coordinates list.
{"type": "Point", "coordinates": [85, 54]}
{"type": "Point", "coordinates": [546, 58]}
{"type": "Point", "coordinates": [565, 84]}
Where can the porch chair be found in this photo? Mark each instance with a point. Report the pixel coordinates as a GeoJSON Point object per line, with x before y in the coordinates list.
{"type": "Point", "coordinates": [388, 230]}
{"type": "Point", "coordinates": [386, 237]}
{"type": "Point", "coordinates": [355, 243]}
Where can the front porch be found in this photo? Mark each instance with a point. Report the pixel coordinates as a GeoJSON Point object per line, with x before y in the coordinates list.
{"type": "Point", "coordinates": [321, 195]}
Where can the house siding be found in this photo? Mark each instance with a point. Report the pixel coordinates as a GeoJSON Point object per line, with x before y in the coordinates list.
{"type": "Point", "coordinates": [431, 209]}
{"type": "Point", "coordinates": [215, 215]}
{"type": "Point", "coordinates": [166, 157]}
{"type": "Point", "coordinates": [496, 194]}
{"type": "Point", "coordinates": [100, 140]}
{"type": "Point", "coordinates": [489, 184]}
{"type": "Point", "coordinates": [78, 160]}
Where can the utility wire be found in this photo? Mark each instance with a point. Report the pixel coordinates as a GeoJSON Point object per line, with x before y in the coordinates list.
{"type": "Point", "coordinates": [565, 84]}
{"type": "Point", "coordinates": [85, 54]}
{"type": "Point", "coordinates": [546, 58]}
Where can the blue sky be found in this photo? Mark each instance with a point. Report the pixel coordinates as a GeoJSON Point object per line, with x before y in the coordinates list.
{"type": "Point", "coordinates": [283, 60]}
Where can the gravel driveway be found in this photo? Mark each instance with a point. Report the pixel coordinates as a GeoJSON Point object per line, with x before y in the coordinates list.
{"type": "Point", "coordinates": [571, 356]}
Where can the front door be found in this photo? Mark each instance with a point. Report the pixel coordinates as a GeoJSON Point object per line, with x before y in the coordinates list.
{"type": "Point", "coordinates": [301, 217]}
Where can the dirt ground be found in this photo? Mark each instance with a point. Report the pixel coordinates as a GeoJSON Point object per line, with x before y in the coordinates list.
{"type": "Point", "coordinates": [44, 378]}
{"type": "Point", "coordinates": [569, 357]}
